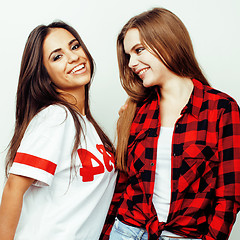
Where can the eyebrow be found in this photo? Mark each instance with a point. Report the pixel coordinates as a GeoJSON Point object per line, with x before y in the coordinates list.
{"type": "Point", "coordinates": [134, 47]}
{"type": "Point", "coordinates": [59, 49]}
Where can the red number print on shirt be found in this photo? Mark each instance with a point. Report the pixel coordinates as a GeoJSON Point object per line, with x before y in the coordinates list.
{"type": "Point", "coordinates": [88, 170]}
{"type": "Point", "coordinates": [107, 157]}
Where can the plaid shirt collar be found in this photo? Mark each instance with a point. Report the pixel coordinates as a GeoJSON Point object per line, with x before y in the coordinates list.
{"type": "Point", "coordinates": [195, 102]}
{"type": "Point", "coordinates": [193, 107]}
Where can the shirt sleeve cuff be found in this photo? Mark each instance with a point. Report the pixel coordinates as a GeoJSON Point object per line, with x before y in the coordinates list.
{"type": "Point", "coordinates": [42, 178]}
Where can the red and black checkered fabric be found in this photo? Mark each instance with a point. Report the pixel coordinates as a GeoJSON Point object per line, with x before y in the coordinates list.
{"type": "Point", "coordinates": [205, 181]}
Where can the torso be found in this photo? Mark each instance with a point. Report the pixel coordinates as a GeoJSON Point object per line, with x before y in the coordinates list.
{"type": "Point", "coordinates": [52, 206]}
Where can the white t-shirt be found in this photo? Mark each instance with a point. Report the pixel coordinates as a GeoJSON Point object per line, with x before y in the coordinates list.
{"type": "Point", "coordinates": [162, 187]}
{"type": "Point", "coordinates": [55, 207]}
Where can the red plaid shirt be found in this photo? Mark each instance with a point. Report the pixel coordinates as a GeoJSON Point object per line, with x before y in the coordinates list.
{"type": "Point", "coordinates": [205, 184]}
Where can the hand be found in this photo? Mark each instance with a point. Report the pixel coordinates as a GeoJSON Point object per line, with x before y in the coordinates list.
{"type": "Point", "coordinates": [123, 107]}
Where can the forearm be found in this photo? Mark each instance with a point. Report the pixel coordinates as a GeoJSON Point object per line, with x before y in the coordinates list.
{"type": "Point", "coordinates": [10, 211]}
{"type": "Point", "coordinates": [11, 205]}
{"type": "Point", "coordinates": [222, 220]}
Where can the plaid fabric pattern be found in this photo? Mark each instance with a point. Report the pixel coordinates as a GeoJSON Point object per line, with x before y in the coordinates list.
{"type": "Point", "coordinates": [205, 184]}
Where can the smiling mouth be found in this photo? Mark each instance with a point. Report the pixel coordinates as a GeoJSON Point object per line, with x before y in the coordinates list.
{"type": "Point", "coordinates": [141, 72]}
{"type": "Point", "coordinates": [78, 68]}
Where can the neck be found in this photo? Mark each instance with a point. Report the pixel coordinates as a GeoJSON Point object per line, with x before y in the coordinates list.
{"type": "Point", "coordinates": [76, 98]}
{"type": "Point", "coordinates": [174, 95]}
{"type": "Point", "coordinates": [176, 88]}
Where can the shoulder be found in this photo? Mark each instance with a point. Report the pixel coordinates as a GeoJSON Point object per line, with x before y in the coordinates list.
{"type": "Point", "coordinates": [150, 102]}
{"type": "Point", "coordinates": [53, 112]}
{"type": "Point", "coordinates": [223, 100]}
{"type": "Point", "coordinates": [51, 116]}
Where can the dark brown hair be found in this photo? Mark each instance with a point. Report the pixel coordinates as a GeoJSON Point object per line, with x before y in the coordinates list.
{"type": "Point", "coordinates": [164, 34]}
{"type": "Point", "coordinates": [35, 91]}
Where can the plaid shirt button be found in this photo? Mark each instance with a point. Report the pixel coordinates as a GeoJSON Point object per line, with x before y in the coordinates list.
{"type": "Point", "coordinates": [152, 164]}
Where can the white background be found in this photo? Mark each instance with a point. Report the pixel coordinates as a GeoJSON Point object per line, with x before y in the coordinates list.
{"type": "Point", "coordinates": [213, 26]}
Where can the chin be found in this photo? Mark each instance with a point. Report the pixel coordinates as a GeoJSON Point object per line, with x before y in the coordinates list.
{"type": "Point", "coordinates": [147, 85]}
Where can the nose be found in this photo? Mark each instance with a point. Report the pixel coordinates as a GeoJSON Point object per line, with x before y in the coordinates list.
{"type": "Point", "coordinates": [133, 61]}
{"type": "Point", "coordinates": [72, 57]}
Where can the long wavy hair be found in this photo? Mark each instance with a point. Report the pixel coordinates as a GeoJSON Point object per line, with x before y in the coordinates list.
{"type": "Point", "coordinates": [35, 91]}
{"type": "Point", "coordinates": [164, 34]}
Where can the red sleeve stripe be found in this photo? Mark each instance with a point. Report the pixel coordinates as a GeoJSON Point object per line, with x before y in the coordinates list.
{"type": "Point", "coordinates": [36, 162]}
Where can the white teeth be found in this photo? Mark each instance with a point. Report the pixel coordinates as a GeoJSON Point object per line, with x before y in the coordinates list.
{"type": "Point", "coordinates": [77, 68]}
{"type": "Point", "coordinates": [142, 71]}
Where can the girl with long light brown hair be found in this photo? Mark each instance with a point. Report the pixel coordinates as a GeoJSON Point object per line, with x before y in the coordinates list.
{"type": "Point", "coordinates": [178, 139]}
{"type": "Point", "coordinates": [60, 164]}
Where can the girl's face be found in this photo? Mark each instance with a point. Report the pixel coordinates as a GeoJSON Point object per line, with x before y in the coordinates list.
{"type": "Point", "coordinates": [144, 63]}
{"type": "Point", "coordinates": [65, 61]}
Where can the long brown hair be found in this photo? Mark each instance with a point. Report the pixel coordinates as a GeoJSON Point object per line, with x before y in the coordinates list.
{"type": "Point", "coordinates": [163, 33]}
{"type": "Point", "coordinates": [35, 91]}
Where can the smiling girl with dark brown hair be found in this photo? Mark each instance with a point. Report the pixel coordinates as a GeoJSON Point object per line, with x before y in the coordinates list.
{"type": "Point", "coordinates": [60, 164]}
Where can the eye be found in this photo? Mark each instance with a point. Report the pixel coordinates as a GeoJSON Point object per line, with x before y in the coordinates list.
{"type": "Point", "coordinates": [139, 50]}
{"type": "Point", "coordinates": [75, 46]}
{"type": "Point", "coordinates": [55, 58]}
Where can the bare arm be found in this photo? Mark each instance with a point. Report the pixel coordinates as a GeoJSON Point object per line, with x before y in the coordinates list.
{"type": "Point", "coordinates": [11, 204]}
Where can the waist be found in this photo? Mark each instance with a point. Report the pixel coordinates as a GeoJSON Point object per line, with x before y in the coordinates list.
{"type": "Point", "coordinates": [170, 234]}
